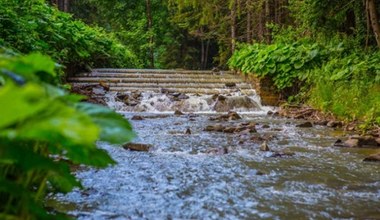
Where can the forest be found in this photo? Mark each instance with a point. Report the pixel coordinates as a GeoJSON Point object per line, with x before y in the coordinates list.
{"type": "Point", "coordinates": [322, 53]}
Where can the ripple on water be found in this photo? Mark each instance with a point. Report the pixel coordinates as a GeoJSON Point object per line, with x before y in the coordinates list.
{"type": "Point", "coordinates": [179, 180]}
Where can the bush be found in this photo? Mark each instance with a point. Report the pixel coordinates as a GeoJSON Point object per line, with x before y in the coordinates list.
{"type": "Point", "coordinates": [43, 130]}
{"type": "Point", "coordinates": [32, 25]}
{"type": "Point", "coordinates": [337, 79]}
{"type": "Point", "coordinates": [349, 86]}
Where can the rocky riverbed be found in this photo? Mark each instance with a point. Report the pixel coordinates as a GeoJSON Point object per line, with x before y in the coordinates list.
{"type": "Point", "coordinates": [191, 172]}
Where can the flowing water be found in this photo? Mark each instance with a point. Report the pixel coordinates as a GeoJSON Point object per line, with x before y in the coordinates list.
{"type": "Point", "coordinates": [185, 176]}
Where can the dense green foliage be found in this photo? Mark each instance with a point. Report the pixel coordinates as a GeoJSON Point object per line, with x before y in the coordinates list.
{"type": "Point", "coordinates": [342, 80]}
{"type": "Point", "coordinates": [31, 25]}
{"type": "Point", "coordinates": [286, 64]}
{"type": "Point", "coordinates": [43, 130]}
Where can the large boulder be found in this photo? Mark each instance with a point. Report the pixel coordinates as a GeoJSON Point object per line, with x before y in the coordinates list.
{"type": "Point", "coordinates": [225, 104]}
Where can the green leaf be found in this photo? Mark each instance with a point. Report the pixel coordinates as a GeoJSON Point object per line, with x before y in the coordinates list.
{"type": "Point", "coordinates": [114, 128]}
{"type": "Point", "coordinates": [19, 103]}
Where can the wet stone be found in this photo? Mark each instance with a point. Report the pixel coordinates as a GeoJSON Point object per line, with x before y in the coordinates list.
{"type": "Point", "coordinates": [357, 141]}
{"type": "Point", "coordinates": [232, 84]}
{"type": "Point", "coordinates": [264, 146]}
{"type": "Point", "coordinates": [188, 131]}
{"type": "Point", "coordinates": [137, 147]}
{"type": "Point", "coordinates": [372, 158]}
{"type": "Point", "coordinates": [178, 112]}
{"type": "Point", "coordinates": [334, 124]}
{"type": "Point", "coordinates": [305, 125]}
{"type": "Point", "coordinates": [137, 118]}
{"type": "Point", "coordinates": [282, 154]}
{"type": "Point", "coordinates": [183, 96]}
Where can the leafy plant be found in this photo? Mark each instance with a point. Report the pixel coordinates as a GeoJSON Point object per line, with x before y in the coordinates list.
{"type": "Point", "coordinates": [43, 130]}
{"type": "Point", "coordinates": [32, 25]}
{"type": "Point", "coordinates": [284, 63]}
{"type": "Point", "coordinates": [338, 79]}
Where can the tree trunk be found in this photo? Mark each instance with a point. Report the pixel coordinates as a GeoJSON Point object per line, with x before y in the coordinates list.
{"type": "Point", "coordinates": [66, 5]}
{"type": "Point", "coordinates": [150, 27]}
{"type": "Point", "coordinates": [266, 21]}
{"type": "Point", "coordinates": [249, 27]}
{"type": "Point", "coordinates": [202, 54]}
{"type": "Point", "coordinates": [374, 20]}
{"type": "Point", "coordinates": [233, 26]}
{"type": "Point", "coordinates": [207, 50]}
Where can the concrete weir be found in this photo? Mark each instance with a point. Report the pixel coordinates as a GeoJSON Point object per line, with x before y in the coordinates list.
{"type": "Point", "coordinates": [154, 80]}
{"type": "Point", "coordinates": [148, 90]}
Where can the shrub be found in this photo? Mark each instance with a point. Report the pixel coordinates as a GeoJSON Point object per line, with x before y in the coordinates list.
{"type": "Point", "coordinates": [44, 129]}
{"type": "Point", "coordinates": [337, 79]}
{"type": "Point", "coordinates": [32, 25]}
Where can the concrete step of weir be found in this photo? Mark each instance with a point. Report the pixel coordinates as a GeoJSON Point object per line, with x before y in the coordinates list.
{"type": "Point", "coordinates": [247, 92]}
{"type": "Point", "coordinates": [154, 80]}
{"type": "Point", "coordinates": [156, 75]}
{"type": "Point", "coordinates": [158, 71]}
{"type": "Point", "coordinates": [169, 85]}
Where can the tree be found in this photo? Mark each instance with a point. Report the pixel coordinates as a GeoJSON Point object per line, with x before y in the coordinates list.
{"type": "Point", "coordinates": [371, 7]}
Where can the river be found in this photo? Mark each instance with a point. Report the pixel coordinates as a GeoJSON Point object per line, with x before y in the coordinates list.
{"type": "Point", "coordinates": [181, 178]}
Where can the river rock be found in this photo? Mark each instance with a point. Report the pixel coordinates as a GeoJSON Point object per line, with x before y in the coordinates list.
{"type": "Point", "coordinates": [221, 98]}
{"type": "Point", "coordinates": [257, 138]}
{"type": "Point", "coordinates": [217, 151]}
{"type": "Point", "coordinates": [104, 85]}
{"type": "Point", "coordinates": [227, 117]}
{"type": "Point", "coordinates": [178, 112]}
{"type": "Point", "coordinates": [137, 147]}
{"type": "Point", "coordinates": [165, 91]}
{"type": "Point", "coordinates": [176, 94]}
{"type": "Point", "coordinates": [229, 103]}
{"type": "Point", "coordinates": [264, 146]}
{"type": "Point", "coordinates": [321, 122]}
{"type": "Point", "coordinates": [282, 154]}
{"type": "Point", "coordinates": [334, 124]}
{"type": "Point", "coordinates": [131, 103]}
{"type": "Point", "coordinates": [137, 118]}
{"type": "Point", "coordinates": [188, 131]}
{"type": "Point", "coordinates": [230, 84]}
{"type": "Point", "coordinates": [372, 158]}
{"type": "Point", "coordinates": [357, 141]}
{"type": "Point", "coordinates": [229, 130]}
{"type": "Point", "coordinates": [183, 96]}
{"type": "Point", "coordinates": [307, 124]}
{"type": "Point", "coordinates": [122, 97]}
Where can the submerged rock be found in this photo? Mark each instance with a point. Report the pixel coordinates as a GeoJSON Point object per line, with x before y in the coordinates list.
{"type": "Point", "coordinates": [217, 151]}
{"type": "Point", "coordinates": [237, 128]}
{"type": "Point", "coordinates": [230, 84]}
{"type": "Point", "coordinates": [188, 131]}
{"type": "Point", "coordinates": [307, 124]}
{"type": "Point", "coordinates": [357, 141]}
{"type": "Point", "coordinates": [334, 124]}
{"type": "Point", "coordinates": [264, 146]}
{"type": "Point", "coordinates": [372, 158]}
{"type": "Point", "coordinates": [178, 112]}
{"type": "Point", "coordinates": [282, 154]}
{"type": "Point", "coordinates": [227, 117]}
{"type": "Point", "coordinates": [137, 147]}
{"type": "Point", "coordinates": [137, 118]}
{"type": "Point", "coordinates": [183, 96]}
